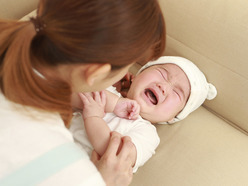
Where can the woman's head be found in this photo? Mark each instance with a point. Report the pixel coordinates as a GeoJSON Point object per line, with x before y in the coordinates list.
{"type": "Point", "coordinates": [88, 35]}
{"type": "Point", "coordinates": [118, 32]}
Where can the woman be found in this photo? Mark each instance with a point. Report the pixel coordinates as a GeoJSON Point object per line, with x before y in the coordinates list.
{"type": "Point", "coordinates": [71, 46]}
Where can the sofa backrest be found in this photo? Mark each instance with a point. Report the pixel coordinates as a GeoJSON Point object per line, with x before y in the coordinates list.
{"type": "Point", "coordinates": [214, 35]}
{"type": "Point", "coordinates": [16, 9]}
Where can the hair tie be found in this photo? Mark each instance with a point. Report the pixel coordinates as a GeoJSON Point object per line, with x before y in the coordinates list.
{"type": "Point", "coordinates": [39, 25]}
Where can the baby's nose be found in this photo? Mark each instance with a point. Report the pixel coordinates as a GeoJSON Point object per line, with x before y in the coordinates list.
{"type": "Point", "coordinates": [165, 87]}
{"type": "Point", "coordinates": [162, 88]}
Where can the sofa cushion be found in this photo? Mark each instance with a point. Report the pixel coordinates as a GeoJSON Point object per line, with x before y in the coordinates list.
{"type": "Point", "coordinates": [200, 150]}
{"type": "Point", "coordinates": [204, 149]}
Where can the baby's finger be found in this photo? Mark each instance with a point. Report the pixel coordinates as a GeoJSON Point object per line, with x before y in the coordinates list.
{"type": "Point", "coordinates": [103, 97]}
{"type": "Point", "coordinates": [134, 116]}
{"type": "Point", "coordinates": [97, 97]}
{"type": "Point", "coordinates": [136, 108]}
{"type": "Point", "coordinates": [89, 95]}
{"type": "Point", "coordinates": [135, 111]}
{"type": "Point", "coordinates": [83, 98]}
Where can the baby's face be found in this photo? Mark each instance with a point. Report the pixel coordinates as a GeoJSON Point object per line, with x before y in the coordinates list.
{"type": "Point", "coordinates": [162, 92]}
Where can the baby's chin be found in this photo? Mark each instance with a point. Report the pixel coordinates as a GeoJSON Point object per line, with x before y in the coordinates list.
{"type": "Point", "coordinates": [152, 119]}
{"type": "Point", "coordinates": [147, 117]}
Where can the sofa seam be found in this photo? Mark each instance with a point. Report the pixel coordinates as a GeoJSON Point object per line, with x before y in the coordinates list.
{"type": "Point", "coordinates": [232, 124]}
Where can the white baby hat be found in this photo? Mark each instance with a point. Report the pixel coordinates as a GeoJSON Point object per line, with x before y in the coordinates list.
{"type": "Point", "coordinates": [200, 88]}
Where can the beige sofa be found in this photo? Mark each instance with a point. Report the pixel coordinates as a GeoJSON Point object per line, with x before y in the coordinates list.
{"type": "Point", "coordinates": [210, 147]}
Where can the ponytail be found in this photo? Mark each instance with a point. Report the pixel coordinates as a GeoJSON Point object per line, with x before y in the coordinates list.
{"type": "Point", "coordinates": [18, 81]}
{"type": "Point", "coordinates": [75, 32]}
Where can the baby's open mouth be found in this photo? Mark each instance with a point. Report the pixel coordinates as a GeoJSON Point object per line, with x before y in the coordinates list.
{"type": "Point", "coordinates": [152, 97]}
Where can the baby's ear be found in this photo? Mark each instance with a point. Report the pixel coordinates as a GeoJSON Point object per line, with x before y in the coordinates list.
{"type": "Point", "coordinates": [132, 77]}
{"type": "Point", "coordinates": [171, 120]}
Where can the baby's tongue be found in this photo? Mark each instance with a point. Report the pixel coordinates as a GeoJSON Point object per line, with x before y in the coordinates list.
{"type": "Point", "coordinates": [151, 96]}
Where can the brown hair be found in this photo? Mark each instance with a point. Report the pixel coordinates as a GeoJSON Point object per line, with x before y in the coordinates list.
{"type": "Point", "coordinates": [118, 32]}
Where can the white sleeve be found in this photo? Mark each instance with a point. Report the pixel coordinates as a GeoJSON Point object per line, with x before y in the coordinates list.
{"type": "Point", "coordinates": [113, 90]}
{"type": "Point", "coordinates": [77, 129]}
{"type": "Point", "coordinates": [33, 154]}
{"type": "Point", "coordinates": [146, 140]}
{"type": "Point", "coordinates": [64, 164]}
{"type": "Point", "coordinates": [37, 149]}
{"type": "Point", "coordinates": [80, 172]}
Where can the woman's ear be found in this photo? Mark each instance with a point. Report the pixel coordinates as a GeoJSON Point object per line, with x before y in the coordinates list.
{"type": "Point", "coordinates": [96, 71]}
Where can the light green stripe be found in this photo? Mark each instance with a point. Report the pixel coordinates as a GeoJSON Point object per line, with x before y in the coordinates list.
{"type": "Point", "coordinates": [44, 166]}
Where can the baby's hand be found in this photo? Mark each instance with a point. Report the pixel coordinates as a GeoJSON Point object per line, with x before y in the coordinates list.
{"type": "Point", "coordinates": [127, 108]}
{"type": "Point", "coordinates": [94, 104]}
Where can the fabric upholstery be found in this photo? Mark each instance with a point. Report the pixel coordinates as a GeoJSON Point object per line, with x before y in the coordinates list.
{"type": "Point", "coordinates": [214, 34]}
{"type": "Point", "coordinates": [15, 9]}
{"type": "Point", "coordinates": [210, 146]}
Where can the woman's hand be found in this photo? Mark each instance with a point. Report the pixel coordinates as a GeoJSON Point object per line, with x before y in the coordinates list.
{"type": "Point", "coordinates": [115, 165]}
{"type": "Point", "coordinates": [123, 85]}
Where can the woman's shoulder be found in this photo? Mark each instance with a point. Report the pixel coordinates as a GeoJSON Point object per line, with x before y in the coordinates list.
{"type": "Point", "coordinates": [30, 123]}
{"type": "Point", "coordinates": [33, 138]}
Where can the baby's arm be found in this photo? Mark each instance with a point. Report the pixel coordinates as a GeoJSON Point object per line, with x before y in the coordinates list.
{"type": "Point", "coordinates": [122, 107]}
{"type": "Point", "coordinates": [96, 128]}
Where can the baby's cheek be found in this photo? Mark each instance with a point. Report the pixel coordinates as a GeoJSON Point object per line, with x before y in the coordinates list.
{"type": "Point", "coordinates": [174, 108]}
